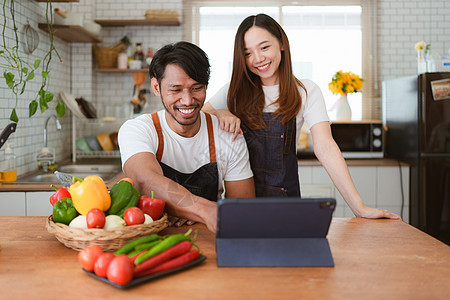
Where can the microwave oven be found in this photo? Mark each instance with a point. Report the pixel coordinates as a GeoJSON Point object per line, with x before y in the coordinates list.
{"type": "Point", "coordinates": [359, 139]}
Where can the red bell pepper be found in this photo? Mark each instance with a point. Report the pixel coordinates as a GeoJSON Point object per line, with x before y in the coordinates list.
{"type": "Point", "coordinates": [60, 193]}
{"type": "Point", "coordinates": [152, 206]}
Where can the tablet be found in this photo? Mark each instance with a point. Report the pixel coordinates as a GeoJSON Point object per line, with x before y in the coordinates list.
{"type": "Point", "coordinates": [274, 232]}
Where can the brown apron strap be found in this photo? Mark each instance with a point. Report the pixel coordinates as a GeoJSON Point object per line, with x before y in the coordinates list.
{"type": "Point", "coordinates": [212, 145]}
{"type": "Point", "coordinates": [157, 124]}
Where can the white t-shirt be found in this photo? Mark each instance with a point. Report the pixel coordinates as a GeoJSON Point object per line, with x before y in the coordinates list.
{"type": "Point", "coordinates": [187, 154]}
{"type": "Point", "coordinates": [313, 108]}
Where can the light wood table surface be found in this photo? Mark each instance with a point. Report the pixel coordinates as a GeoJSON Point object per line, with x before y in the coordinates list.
{"type": "Point", "coordinates": [374, 259]}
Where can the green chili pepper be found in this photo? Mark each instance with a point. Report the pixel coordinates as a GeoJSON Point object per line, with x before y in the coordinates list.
{"type": "Point", "coordinates": [130, 246]}
{"type": "Point", "coordinates": [163, 245]}
{"type": "Point", "coordinates": [133, 253]}
{"type": "Point", "coordinates": [64, 211]}
{"type": "Point", "coordinates": [147, 245]}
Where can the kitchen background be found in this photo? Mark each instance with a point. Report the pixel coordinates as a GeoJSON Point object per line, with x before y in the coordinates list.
{"type": "Point", "coordinates": [399, 25]}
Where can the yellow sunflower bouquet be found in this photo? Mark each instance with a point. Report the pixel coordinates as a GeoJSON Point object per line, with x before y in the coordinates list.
{"type": "Point", "coordinates": [345, 82]}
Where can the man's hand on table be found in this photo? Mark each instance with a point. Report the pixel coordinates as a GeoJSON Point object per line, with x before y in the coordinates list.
{"type": "Point", "coordinates": [177, 222]}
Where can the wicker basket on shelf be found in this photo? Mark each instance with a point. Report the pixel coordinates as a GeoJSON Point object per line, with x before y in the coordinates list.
{"type": "Point", "coordinates": [107, 57]}
{"type": "Point", "coordinates": [109, 239]}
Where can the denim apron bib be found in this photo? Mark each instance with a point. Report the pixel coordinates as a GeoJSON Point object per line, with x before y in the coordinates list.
{"type": "Point", "coordinates": [203, 182]}
{"type": "Point", "coordinates": [273, 158]}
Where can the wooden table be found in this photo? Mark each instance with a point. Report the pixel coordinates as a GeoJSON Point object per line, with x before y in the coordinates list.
{"type": "Point", "coordinates": [374, 259]}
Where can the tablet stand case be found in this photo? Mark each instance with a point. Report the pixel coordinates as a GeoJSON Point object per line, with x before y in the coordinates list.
{"type": "Point", "coordinates": [274, 232]}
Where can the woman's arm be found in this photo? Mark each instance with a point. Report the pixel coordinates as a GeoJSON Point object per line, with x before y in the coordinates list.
{"type": "Point", "coordinates": [227, 120]}
{"type": "Point", "coordinates": [328, 153]}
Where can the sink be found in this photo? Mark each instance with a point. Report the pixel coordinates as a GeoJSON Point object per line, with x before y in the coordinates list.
{"type": "Point", "coordinates": [106, 172]}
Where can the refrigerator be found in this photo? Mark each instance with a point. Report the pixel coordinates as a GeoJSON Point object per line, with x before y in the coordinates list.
{"type": "Point", "coordinates": [416, 112]}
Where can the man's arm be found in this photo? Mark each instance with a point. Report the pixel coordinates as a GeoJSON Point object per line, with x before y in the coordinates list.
{"type": "Point", "coordinates": [240, 188]}
{"type": "Point", "coordinates": [147, 174]}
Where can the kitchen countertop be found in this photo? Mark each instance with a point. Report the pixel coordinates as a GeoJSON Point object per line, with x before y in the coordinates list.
{"type": "Point", "coordinates": [374, 259]}
{"type": "Point", "coordinates": [27, 187]}
{"type": "Point", "coordinates": [24, 187]}
{"type": "Point", "coordinates": [363, 162]}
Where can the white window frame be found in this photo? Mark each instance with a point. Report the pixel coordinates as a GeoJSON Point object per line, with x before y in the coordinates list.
{"type": "Point", "coordinates": [371, 107]}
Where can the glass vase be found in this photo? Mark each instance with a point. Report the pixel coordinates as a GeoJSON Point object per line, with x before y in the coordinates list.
{"type": "Point", "coordinates": [421, 62]}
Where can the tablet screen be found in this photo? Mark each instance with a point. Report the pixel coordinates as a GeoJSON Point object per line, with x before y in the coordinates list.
{"type": "Point", "coordinates": [274, 217]}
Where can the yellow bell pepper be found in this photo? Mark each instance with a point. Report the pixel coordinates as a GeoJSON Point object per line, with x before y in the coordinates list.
{"type": "Point", "coordinates": [90, 193]}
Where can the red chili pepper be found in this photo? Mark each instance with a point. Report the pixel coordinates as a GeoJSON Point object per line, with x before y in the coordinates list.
{"type": "Point", "coordinates": [60, 193]}
{"type": "Point", "coordinates": [174, 263]}
{"type": "Point", "coordinates": [150, 263]}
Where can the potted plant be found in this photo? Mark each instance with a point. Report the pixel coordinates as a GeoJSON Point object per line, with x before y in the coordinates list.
{"type": "Point", "coordinates": [18, 70]}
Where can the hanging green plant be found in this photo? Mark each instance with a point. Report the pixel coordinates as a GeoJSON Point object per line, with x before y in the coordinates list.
{"type": "Point", "coordinates": [18, 70]}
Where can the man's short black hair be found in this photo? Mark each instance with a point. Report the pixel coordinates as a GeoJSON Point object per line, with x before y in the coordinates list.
{"type": "Point", "coordinates": [187, 56]}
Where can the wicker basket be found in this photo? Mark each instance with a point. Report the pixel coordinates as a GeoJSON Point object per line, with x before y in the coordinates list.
{"type": "Point", "coordinates": [107, 57]}
{"type": "Point", "coordinates": [108, 239]}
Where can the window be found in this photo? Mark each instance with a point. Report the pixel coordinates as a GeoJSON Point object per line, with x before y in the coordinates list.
{"type": "Point", "coordinates": [323, 38]}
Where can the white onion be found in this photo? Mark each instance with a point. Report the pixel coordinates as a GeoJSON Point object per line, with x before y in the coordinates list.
{"type": "Point", "coordinates": [148, 219]}
{"type": "Point", "coordinates": [114, 221]}
{"type": "Point", "coordinates": [79, 222]}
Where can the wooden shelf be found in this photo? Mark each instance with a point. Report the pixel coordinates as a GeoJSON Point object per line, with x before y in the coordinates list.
{"type": "Point", "coordinates": [139, 22]}
{"type": "Point", "coordinates": [59, 0]}
{"type": "Point", "coordinates": [72, 33]}
{"type": "Point", "coordinates": [115, 70]}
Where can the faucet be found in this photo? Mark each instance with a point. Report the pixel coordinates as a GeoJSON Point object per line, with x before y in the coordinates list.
{"type": "Point", "coordinates": [58, 127]}
{"type": "Point", "coordinates": [45, 157]}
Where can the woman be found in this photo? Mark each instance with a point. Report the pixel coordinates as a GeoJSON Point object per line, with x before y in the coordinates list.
{"type": "Point", "coordinates": [271, 105]}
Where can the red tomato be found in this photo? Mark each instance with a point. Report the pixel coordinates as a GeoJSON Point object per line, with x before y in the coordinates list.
{"type": "Point", "coordinates": [128, 179]}
{"type": "Point", "coordinates": [120, 269]}
{"type": "Point", "coordinates": [151, 206]}
{"type": "Point", "coordinates": [88, 256]}
{"type": "Point", "coordinates": [95, 218]}
{"type": "Point", "coordinates": [102, 263]}
{"type": "Point", "coordinates": [134, 216]}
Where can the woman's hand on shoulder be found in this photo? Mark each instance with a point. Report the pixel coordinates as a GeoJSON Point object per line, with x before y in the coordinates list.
{"type": "Point", "coordinates": [228, 122]}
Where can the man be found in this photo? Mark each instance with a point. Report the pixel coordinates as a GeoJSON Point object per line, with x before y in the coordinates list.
{"type": "Point", "coordinates": [180, 152]}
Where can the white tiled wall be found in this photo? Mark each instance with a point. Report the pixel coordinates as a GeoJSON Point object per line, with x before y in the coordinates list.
{"type": "Point", "coordinates": [401, 23]}
{"type": "Point", "coordinates": [75, 73]}
{"type": "Point", "coordinates": [28, 138]}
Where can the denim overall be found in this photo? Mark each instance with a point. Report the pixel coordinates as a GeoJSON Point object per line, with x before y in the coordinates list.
{"type": "Point", "coordinates": [273, 158]}
{"type": "Point", "coordinates": [203, 182]}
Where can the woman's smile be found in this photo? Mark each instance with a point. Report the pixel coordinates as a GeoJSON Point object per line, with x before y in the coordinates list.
{"type": "Point", "coordinates": [264, 67]}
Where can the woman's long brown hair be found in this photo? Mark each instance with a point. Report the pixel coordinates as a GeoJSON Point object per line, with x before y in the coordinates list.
{"type": "Point", "coordinates": [245, 94]}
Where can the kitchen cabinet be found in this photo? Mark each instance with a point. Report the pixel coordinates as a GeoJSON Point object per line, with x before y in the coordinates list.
{"type": "Point", "coordinates": [38, 203]}
{"type": "Point", "coordinates": [384, 187]}
{"type": "Point", "coordinates": [12, 204]}
{"type": "Point", "coordinates": [25, 204]}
